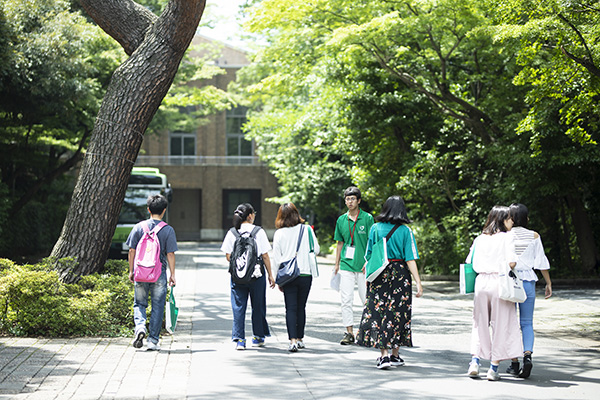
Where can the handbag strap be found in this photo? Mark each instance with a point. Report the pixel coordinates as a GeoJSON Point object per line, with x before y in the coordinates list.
{"type": "Point", "coordinates": [300, 238]}
{"type": "Point", "coordinates": [389, 235]}
{"type": "Point", "coordinates": [310, 240]}
{"type": "Point", "coordinates": [473, 252]}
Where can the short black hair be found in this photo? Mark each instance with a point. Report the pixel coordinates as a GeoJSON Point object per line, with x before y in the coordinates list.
{"type": "Point", "coordinates": [519, 214]}
{"type": "Point", "coordinates": [393, 211]}
{"type": "Point", "coordinates": [352, 191]}
{"type": "Point", "coordinates": [157, 203]}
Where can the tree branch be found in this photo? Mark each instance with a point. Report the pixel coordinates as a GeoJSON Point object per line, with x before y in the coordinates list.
{"type": "Point", "coordinates": [124, 20]}
{"type": "Point", "coordinates": [587, 63]}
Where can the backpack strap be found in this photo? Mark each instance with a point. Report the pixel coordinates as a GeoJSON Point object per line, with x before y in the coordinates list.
{"type": "Point", "coordinates": [255, 231]}
{"type": "Point", "coordinates": [235, 232]}
{"type": "Point", "coordinates": [159, 226]}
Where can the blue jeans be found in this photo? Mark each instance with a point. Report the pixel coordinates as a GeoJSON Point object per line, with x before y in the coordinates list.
{"type": "Point", "coordinates": [296, 294]}
{"type": "Point", "coordinates": [158, 295]}
{"type": "Point", "coordinates": [256, 289]}
{"type": "Point", "coordinates": [526, 316]}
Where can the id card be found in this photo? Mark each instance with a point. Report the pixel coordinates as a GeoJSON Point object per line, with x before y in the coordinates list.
{"type": "Point", "coordinates": [350, 252]}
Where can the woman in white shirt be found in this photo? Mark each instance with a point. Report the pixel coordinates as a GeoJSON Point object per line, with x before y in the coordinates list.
{"type": "Point", "coordinates": [530, 253]}
{"type": "Point", "coordinates": [492, 252]}
{"type": "Point", "coordinates": [290, 227]}
{"type": "Point", "coordinates": [243, 221]}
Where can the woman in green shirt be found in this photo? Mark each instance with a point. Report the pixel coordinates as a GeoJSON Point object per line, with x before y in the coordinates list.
{"type": "Point", "coordinates": [387, 315]}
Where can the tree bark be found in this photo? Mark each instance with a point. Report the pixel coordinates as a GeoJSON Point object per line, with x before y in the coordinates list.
{"type": "Point", "coordinates": [157, 46]}
{"type": "Point", "coordinates": [590, 257]}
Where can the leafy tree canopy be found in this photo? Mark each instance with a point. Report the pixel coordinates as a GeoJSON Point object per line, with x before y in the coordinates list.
{"type": "Point", "coordinates": [430, 99]}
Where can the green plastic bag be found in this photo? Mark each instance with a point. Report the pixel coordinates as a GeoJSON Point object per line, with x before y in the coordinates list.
{"type": "Point", "coordinates": [171, 312]}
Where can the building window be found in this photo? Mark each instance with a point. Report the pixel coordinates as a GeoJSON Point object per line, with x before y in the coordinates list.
{"type": "Point", "coordinates": [234, 197]}
{"type": "Point", "coordinates": [237, 146]}
{"type": "Point", "coordinates": [183, 147]}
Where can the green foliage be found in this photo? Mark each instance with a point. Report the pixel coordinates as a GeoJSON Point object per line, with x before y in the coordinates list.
{"type": "Point", "coordinates": [454, 105]}
{"type": "Point", "coordinates": [34, 302]}
{"type": "Point", "coordinates": [187, 105]}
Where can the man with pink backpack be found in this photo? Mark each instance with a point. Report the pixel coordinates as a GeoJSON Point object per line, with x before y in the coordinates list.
{"type": "Point", "coordinates": [152, 246]}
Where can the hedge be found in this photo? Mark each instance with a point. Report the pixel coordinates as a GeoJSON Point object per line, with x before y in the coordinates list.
{"type": "Point", "coordinates": [34, 302]}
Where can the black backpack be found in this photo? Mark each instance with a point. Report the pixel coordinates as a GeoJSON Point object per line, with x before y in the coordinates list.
{"type": "Point", "coordinates": [244, 258]}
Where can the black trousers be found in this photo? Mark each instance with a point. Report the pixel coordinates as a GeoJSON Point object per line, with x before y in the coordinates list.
{"type": "Point", "coordinates": [296, 294]}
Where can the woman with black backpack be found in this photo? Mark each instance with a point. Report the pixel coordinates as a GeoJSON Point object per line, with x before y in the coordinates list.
{"type": "Point", "coordinates": [246, 247]}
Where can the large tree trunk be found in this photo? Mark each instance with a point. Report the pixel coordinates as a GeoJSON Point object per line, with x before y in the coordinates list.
{"type": "Point", "coordinates": [590, 258]}
{"type": "Point", "coordinates": [137, 87]}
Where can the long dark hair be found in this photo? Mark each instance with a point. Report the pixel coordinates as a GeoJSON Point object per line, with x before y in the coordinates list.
{"type": "Point", "coordinates": [241, 214]}
{"type": "Point", "coordinates": [287, 216]}
{"type": "Point", "coordinates": [519, 214]}
{"type": "Point", "coordinates": [495, 220]}
{"type": "Point", "coordinates": [393, 211]}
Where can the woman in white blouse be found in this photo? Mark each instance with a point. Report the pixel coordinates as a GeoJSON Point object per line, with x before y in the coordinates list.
{"type": "Point", "coordinates": [290, 227]}
{"type": "Point", "coordinates": [492, 252]}
{"type": "Point", "coordinates": [530, 253]}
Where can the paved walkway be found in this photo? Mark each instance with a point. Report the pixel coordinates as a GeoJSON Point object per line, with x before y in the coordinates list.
{"type": "Point", "coordinates": [198, 361]}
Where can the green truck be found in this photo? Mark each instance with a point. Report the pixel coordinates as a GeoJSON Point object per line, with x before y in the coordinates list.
{"type": "Point", "coordinates": [143, 182]}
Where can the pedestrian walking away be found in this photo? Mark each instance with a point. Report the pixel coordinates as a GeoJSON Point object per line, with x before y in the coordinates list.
{"type": "Point", "coordinates": [386, 318]}
{"type": "Point", "coordinates": [255, 286]}
{"type": "Point", "coordinates": [155, 287]}
{"type": "Point", "coordinates": [351, 234]}
{"type": "Point", "coordinates": [531, 256]}
{"type": "Point", "coordinates": [494, 253]}
{"type": "Point", "coordinates": [293, 239]}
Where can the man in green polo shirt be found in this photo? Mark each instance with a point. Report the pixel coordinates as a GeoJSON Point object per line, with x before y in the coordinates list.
{"type": "Point", "coordinates": [351, 233]}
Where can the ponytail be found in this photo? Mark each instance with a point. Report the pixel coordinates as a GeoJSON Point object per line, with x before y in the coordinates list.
{"type": "Point", "coordinates": [241, 214]}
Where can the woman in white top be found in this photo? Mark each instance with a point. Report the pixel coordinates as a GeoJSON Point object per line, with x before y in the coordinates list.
{"type": "Point", "coordinates": [492, 252]}
{"type": "Point", "coordinates": [530, 253]}
{"type": "Point", "coordinates": [290, 227]}
{"type": "Point", "coordinates": [243, 221]}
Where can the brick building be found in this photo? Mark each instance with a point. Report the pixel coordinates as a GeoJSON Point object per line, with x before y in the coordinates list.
{"type": "Point", "coordinates": [213, 169]}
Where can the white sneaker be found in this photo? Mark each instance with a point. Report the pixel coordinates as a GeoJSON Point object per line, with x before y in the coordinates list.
{"type": "Point", "coordinates": [473, 369]}
{"type": "Point", "coordinates": [300, 344]}
{"type": "Point", "coordinates": [153, 346]}
{"type": "Point", "coordinates": [493, 375]}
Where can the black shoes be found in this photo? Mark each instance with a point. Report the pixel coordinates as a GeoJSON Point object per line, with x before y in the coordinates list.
{"type": "Point", "coordinates": [513, 369]}
{"type": "Point", "coordinates": [527, 366]}
{"type": "Point", "coordinates": [396, 361]}
{"type": "Point", "coordinates": [383, 362]}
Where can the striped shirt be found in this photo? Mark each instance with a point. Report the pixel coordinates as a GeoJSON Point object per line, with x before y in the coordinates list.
{"type": "Point", "coordinates": [530, 252]}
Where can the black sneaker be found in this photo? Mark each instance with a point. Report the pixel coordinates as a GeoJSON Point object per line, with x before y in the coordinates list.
{"type": "Point", "coordinates": [513, 369]}
{"type": "Point", "coordinates": [348, 339]}
{"type": "Point", "coordinates": [383, 362]}
{"type": "Point", "coordinates": [139, 340]}
{"type": "Point", "coordinates": [396, 361]}
{"type": "Point", "coordinates": [527, 366]}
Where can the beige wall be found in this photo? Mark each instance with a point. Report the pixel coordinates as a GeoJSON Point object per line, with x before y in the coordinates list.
{"type": "Point", "coordinates": [197, 208]}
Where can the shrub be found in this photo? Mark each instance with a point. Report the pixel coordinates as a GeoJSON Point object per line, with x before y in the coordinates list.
{"type": "Point", "coordinates": [34, 302]}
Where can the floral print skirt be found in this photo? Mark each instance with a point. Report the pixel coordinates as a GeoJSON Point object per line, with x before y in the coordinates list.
{"type": "Point", "coordinates": [385, 322]}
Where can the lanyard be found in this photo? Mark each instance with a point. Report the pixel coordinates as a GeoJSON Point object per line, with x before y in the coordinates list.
{"type": "Point", "coordinates": [353, 228]}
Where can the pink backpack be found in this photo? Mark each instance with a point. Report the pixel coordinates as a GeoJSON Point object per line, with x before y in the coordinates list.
{"type": "Point", "coordinates": [147, 266]}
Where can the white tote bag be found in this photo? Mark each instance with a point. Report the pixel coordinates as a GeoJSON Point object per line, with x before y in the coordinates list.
{"type": "Point", "coordinates": [510, 287]}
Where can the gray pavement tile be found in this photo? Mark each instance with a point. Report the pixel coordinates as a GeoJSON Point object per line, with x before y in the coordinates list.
{"type": "Point", "coordinates": [199, 362]}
